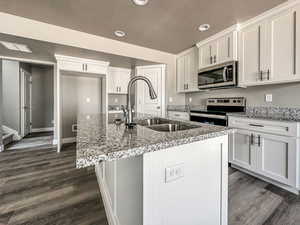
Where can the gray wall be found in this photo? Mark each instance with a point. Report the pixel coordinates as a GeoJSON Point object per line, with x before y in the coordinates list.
{"type": "Point", "coordinates": [284, 95]}
{"type": "Point", "coordinates": [42, 96]}
{"type": "Point", "coordinates": [11, 94]}
{"type": "Point", "coordinates": [80, 95]}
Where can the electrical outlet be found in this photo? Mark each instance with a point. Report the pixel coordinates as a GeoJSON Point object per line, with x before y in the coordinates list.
{"type": "Point", "coordinates": [88, 100]}
{"type": "Point", "coordinates": [269, 97]}
{"type": "Point", "coordinates": [116, 100]}
{"type": "Point", "coordinates": [174, 172]}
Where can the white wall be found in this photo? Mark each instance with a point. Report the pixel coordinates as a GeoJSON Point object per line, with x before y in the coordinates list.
{"type": "Point", "coordinates": [80, 95]}
{"type": "Point", "coordinates": [11, 94]}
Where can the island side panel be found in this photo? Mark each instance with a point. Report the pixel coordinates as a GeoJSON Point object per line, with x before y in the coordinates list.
{"type": "Point", "coordinates": [198, 195]}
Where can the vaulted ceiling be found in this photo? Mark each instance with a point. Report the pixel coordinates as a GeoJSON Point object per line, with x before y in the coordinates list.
{"type": "Point", "coordinates": [167, 25]}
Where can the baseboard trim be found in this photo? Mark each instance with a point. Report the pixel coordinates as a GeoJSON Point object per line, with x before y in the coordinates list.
{"type": "Point", "coordinates": [16, 135]}
{"type": "Point", "coordinates": [268, 180]}
{"type": "Point", "coordinates": [112, 220]}
{"type": "Point", "coordinates": [45, 129]}
{"type": "Point", "coordinates": [1, 148]}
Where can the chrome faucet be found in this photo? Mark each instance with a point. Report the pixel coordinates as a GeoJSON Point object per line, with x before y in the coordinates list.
{"type": "Point", "coordinates": [128, 110]}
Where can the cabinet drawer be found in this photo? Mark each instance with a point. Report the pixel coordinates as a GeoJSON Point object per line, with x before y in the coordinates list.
{"type": "Point", "coordinates": [267, 126]}
{"type": "Point", "coordinates": [178, 115]}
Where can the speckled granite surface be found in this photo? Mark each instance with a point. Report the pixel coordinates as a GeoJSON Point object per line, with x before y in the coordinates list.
{"type": "Point", "coordinates": [271, 113]}
{"type": "Point", "coordinates": [98, 138]}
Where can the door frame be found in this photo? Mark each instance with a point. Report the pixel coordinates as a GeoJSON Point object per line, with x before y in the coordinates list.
{"type": "Point", "coordinates": [163, 84]}
{"type": "Point", "coordinates": [23, 96]}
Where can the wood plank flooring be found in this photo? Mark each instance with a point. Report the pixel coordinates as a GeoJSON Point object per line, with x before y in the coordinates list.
{"type": "Point", "coordinates": [41, 187]}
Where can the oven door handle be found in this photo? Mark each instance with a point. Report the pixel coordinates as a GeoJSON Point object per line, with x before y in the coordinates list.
{"type": "Point", "coordinates": [214, 116]}
{"type": "Point", "coordinates": [225, 74]}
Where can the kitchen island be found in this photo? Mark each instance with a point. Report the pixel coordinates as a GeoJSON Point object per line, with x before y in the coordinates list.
{"type": "Point", "coordinates": [151, 176]}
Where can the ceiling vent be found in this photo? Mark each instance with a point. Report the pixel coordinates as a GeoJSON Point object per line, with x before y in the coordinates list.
{"type": "Point", "coordinates": [16, 47]}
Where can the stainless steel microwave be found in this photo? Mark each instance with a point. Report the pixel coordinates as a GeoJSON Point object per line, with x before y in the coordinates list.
{"type": "Point", "coordinates": [219, 76]}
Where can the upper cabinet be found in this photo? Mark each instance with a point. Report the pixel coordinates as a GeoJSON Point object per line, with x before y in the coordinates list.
{"type": "Point", "coordinates": [187, 71]}
{"type": "Point", "coordinates": [219, 50]}
{"type": "Point", "coordinates": [68, 63]}
{"type": "Point", "coordinates": [269, 49]}
{"type": "Point", "coordinates": [118, 79]}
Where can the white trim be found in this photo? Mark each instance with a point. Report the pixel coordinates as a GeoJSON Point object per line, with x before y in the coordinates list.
{"type": "Point", "coordinates": [112, 220]}
{"type": "Point", "coordinates": [44, 129]}
{"type": "Point", "coordinates": [54, 142]}
{"type": "Point", "coordinates": [270, 12]}
{"type": "Point", "coordinates": [69, 140]}
{"type": "Point", "coordinates": [218, 35]}
{"type": "Point", "coordinates": [23, 96]}
{"type": "Point", "coordinates": [33, 61]}
{"type": "Point", "coordinates": [1, 148]}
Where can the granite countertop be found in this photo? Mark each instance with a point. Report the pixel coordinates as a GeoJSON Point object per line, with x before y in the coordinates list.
{"type": "Point", "coordinates": [98, 138]}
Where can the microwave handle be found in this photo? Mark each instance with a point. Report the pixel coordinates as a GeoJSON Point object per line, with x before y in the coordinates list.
{"type": "Point", "coordinates": [225, 73]}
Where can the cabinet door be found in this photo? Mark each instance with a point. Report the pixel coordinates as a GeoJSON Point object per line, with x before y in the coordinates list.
{"type": "Point", "coordinates": [283, 45]}
{"type": "Point", "coordinates": [71, 66]}
{"type": "Point", "coordinates": [180, 75]}
{"type": "Point", "coordinates": [112, 82]}
{"type": "Point", "coordinates": [225, 48]}
{"type": "Point", "coordinates": [205, 59]}
{"type": "Point", "coordinates": [277, 158]}
{"type": "Point", "coordinates": [242, 152]}
{"type": "Point", "coordinates": [191, 75]}
{"type": "Point", "coordinates": [214, 52]}
{"type": "Point", "coordinates": [250, 54]}
{"type": "Point", "coordinates": [95, 68]}
{"type": "Point", "coordinates": [124, 78]}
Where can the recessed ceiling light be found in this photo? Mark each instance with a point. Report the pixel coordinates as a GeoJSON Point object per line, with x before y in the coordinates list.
{"type": "Point", "coordinates": [16, 47]}
{"type": "Point", "coordinates": [140, 2]}
{"type": "Point", "coordinates": [203, 27]}
{"type": "Point", "coordinates": [120, 33]}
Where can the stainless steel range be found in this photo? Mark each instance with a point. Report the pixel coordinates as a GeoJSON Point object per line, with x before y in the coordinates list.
{"type": "Point", "coordinates": [217, 110]}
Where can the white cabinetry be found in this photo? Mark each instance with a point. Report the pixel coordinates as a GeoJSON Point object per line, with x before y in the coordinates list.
{"type": "Point", "coordinates": [259, 147]}
{"type": "Point", "coordinates": [269, 49]}
{"type": "Point", "coordinates": [118, 79]}
{"type": "Point", "coordinates": [219, 50]}
{"type": "Point", "coordinates": [187, 71]}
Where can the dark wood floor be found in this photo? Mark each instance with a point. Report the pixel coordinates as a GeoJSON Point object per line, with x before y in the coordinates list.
{"type": "Point", "coordinates": [41, 187]}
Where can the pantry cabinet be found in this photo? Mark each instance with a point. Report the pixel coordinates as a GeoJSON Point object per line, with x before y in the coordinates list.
{"type": "Point", "coordinates": [259, 147]}
{"type": "Point", "coordinates": [187, 75]}
{"type": "Point", "coordinates": [217, 51]}
{"type": "Point", "coordinates": [118, 79]}
{"type": "Point", "coordinates": [269, 49]}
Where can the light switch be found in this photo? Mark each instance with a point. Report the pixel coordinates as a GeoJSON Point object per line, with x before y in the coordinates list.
{"type": "Point", "coordinates": [174, 172]}
{"type": "Point", "coordinates": [269, 97]}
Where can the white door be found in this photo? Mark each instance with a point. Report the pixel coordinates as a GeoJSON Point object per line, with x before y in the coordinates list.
{"type": "Point", "coordinates": [242, 149]}
{"type": "Point", "coordinates": [156, 74]}
{"type": "Point", "coordinates": [277, 158]}
{"type": "Point", "coordinates": [283, 45]}
{"type": "Point", "coordinates": [26, 102]}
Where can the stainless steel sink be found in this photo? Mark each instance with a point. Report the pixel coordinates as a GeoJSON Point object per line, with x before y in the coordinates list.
{"type": "Point", "coordinates": [154, 121]}
{"type": "Point", "coordinates": [172, 127]}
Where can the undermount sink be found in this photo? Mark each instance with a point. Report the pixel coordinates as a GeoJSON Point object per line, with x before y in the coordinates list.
{"type": "Point", "coordinates": [165, 125]}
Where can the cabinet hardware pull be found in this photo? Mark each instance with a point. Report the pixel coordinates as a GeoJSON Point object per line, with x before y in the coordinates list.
{"type": "Point", "coordinates": [268, 74]}
{"type": "Point", "coordinates": [259, 45]}
{"type": "Point", "coordinates": [82, 67]}
{"type": "Point", "coordinates": [120, 89]}
{"type": "Point", "coordinates": [187, 86]}
{"type": "Point", "coordinates": [251, 139]}
{"type": "Point", "coordinates": [215, 58]}
{"type": "Point", "coordinates": [255, 125]}
{"type": "Point", "coordinates": [228, 47]}
{"type": "Point", "coordinates": [261, 75]}
{"type": "Point", "coordinates": [211, 60]}
{"type": "Point", "coordinates": [259, 140]}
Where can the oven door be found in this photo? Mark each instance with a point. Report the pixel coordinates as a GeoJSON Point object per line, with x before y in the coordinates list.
{"type": "Point", "coordinates": [217, 76]}
{"type": "Point", "coordinates": [213, 119]}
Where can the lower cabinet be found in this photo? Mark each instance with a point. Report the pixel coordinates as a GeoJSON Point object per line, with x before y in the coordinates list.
{"type": "Point", "coordinates": [270, 156]}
